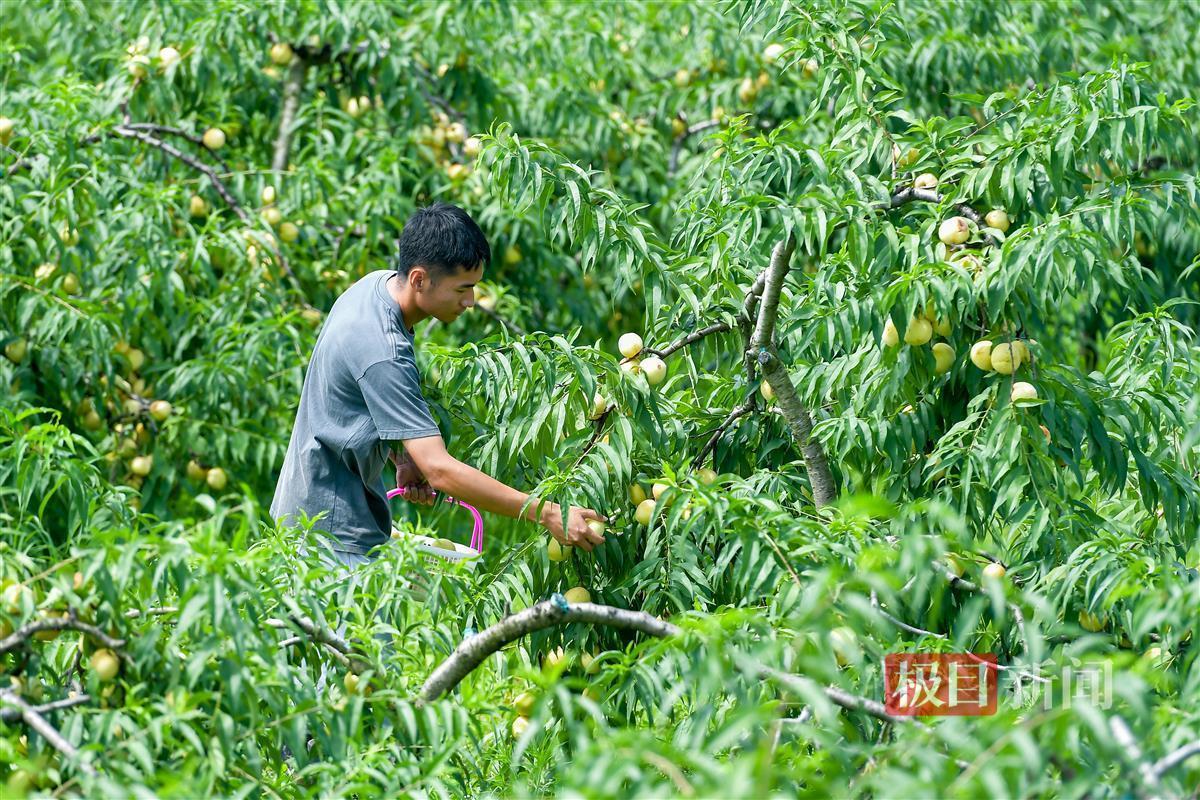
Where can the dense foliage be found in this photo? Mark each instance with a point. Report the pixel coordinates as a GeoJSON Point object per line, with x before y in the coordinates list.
{"type": "Point", "coordinates": [761, 190]}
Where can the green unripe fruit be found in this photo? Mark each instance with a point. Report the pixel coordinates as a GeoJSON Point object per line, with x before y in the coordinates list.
{"type": "Point", "coordinates": [524, 703]}
{"type": "Point", "coordinates": [216, 478]}
{"type": "Point", "coordinates": [558, 551]}
{"type": "Point", "coordinates": [578, 595]}
{"type": "Point", "coordinates": [105, 664]}
{"type": "Point", "coordinates": [943, 356]}
{"type": "Point", "coordinates": [918, 332]}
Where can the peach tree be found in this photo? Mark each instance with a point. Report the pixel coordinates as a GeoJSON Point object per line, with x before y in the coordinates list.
{"type": "Point", "coordinates": [870, 326]}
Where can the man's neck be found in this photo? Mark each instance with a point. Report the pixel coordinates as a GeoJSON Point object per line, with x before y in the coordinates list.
{"type": "Point", "coordinates": [408, 304]}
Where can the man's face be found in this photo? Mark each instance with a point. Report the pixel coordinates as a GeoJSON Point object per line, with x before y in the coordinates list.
{"type": "Point", "coordinates": [447, 296]}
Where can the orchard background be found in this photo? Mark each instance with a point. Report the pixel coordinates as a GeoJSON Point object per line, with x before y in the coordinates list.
{"type": "Point", "coordinates": [791, 204]}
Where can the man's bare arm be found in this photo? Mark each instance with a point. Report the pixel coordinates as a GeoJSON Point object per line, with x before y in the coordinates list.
{"type": "Point", "coordinates": [448, 475]}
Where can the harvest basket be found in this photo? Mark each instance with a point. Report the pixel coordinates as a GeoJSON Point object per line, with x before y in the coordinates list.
{"type": "Point", "coordinates": [429, 545]}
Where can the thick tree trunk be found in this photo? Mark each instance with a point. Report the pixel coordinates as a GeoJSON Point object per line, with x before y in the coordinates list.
{"type": "Point", "coordinates": [775, 373]}
{"type": "Point", "coordinates": [800, 423]}
{"type": "Point", "coordinates": [287, 117]}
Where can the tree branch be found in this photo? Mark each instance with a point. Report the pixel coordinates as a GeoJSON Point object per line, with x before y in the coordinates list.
{"type": "Point", "coordinates": [437, 100]}
{"type": "Point", "coordinates": [677, 145]}
{"type": "Point", "coordinates": [69, 622]}
{"type": "Point", "coordinates": [599, 429]}
{"type": "Point", "coordinates": [336, 645]}
{"type": "Point", "coordinates": [134, 613]}
{"type": "Point", "coordinates": [910, 194]}
{"type": "Point", "coordinates": [20, 164]}
{"type": "Point", "coordinates": [471, 652]}
{"type": "Point", "coordinates": [969, 586]}
{"type": "Point", "coordinates": [287, 116]}
{"type": "Point", "coordinates": [1175, 758]}
{"type": "Point", "coordinates": [151, 127]}
{"type": "Point", "coordinates": [217, 183]}
{"type": "Point", "coordinates": [738, 412]}
{"type": "Point", "coordinates": [768, 312]}
{"type": "Point", "coordinates": [1133, 753]}
{"type": "Point", "coordinates": [44, 729]}
{"type": "Point", "coordinates": [744, 321]}
{"type": "Point", "coordinates": [820, 477]}
{"type": "Point", "coordinates": [750, 305]}
{"type": "Point", "coordinates": [194, 163]}
{"type": "Point", "coordinates": [14, 714]}
{"type": "Point", "coordinates": [904, 626]}
{"type": "Point", "coordinates": [753, 294]}
{"type": "Point", "coordinates": [694, 336]}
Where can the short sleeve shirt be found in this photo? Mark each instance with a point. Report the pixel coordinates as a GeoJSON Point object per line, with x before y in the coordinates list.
{"type": "Point", "coordinates": [362, 392]}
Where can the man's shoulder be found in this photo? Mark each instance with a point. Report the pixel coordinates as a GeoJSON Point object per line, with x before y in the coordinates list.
{"type": "Point", "coordinates": [358, 332]}
{"type": "Point", "coordinates": [364, 286]}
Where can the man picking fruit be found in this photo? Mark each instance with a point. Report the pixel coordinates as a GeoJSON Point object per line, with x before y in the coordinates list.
{"type": "Point", "coordinates": [362, 400]}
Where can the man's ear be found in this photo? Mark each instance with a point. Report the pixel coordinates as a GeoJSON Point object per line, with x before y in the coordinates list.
{"type": "Point", "coordinates": [418, 277]}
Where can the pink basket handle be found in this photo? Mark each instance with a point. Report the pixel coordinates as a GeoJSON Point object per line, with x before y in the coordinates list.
{"type": "Point", "coordinates": [476, 533]}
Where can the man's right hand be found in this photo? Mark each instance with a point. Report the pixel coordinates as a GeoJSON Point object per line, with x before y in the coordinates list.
{"type": "Point", "coordinates": [577, 533]}
{"type": "Point", "coordinates": [450, 476]}
{"type": "Point", "coordinates": [410, 478]}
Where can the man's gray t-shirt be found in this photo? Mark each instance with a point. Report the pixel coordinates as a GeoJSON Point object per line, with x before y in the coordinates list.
{"type": "Point", "coordinates": [362, 392]}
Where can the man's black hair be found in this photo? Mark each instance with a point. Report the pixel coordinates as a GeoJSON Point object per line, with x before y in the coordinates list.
{"type": "Point", "coordinates": [442, 238]}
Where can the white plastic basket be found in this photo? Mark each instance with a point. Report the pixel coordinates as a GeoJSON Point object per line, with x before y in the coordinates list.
{"type": "Point", "coordinates": [428, 545]}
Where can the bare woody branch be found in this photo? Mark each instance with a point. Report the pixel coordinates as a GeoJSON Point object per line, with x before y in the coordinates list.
{"type": "Point", "coordinates": [337, 646]}
{"type": "Point", "coordinates": [194, 163]}
{"type": "Point", "coordinates": [768, 312]}
{"type": "Point", "coordinates": [743, 320]}
{"type": "Point", "coordinates": [134, 613]}
{"type": "Point", "coordinates": [218, 184]}
{"type": "Point", "coordinates": [910, 193]}
{"type": "Point", "coordinates": [1133, 752]}
{"type": "Point", "coordinates": [694, 336]}
{"type": "Point", "coordinates": [677, 145]}
{"type": "Point", "coordinates": [14, 714]}
{"type": "Point", "coordinates": [739, 411]}
{"type": "Point", "coordinates": [838, 697]}
{"type": "Point", "coordinates": [904, 626]}
{"type": "Point", "coordinates": [151, 127]}
{"type": "Point", "coordinates": [750, 305]}
{"type": "Point", "coordinates": [746, 323]}
{"type": "Point", "coordinates": [44, 729]}
{"type": "Point", "coordinates": [598, 424]}
{"type": "Point", "coordinates": [434, 99]}
{"type": "Point", "coordinates": [800, 422]}
{"type": "Point", "coordinates": [962, 583]}
{"type": "Point", "coordinates": [70, 622]}
{"type": "Point", "coordinates": [472, 651]}
{"type": "Point", "coordinates": [19, 164]}
{"type": "Point", "coordinates": [1175, 758]}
